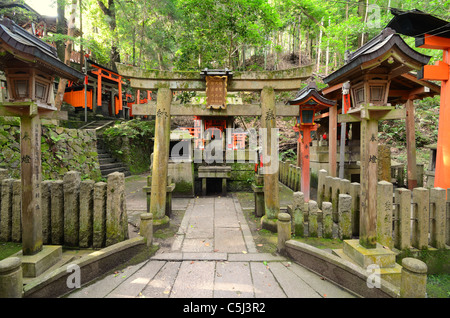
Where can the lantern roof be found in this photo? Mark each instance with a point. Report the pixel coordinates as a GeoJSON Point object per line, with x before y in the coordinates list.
{"type": "Point", "coordinates": [310, 95]}
{"type": "Point", "coordinates": [18, 48]}
{"type": "Point", "coordinates": [387, 53]}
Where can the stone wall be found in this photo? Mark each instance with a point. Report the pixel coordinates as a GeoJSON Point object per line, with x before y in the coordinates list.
{"type": "Point", "coordinates": [75, 213]}
{"type": "Point", "coordinates": [62, 149]}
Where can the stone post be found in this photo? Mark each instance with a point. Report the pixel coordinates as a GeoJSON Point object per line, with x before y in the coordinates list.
{"type": "Point", "coordinates": [298, 173]}
{"type": "Point", "coordinates": [402, 219]}
{"type": "Point", "coordinates": [384, 163]}
{"type": "Point", "coordinates": [297, 213]}
{"type": "Point", "coordinates": [327, 220]}
{"type": "Point", "coordinates": [270, 160]}
{"type": "Point", "coordinates": [344, 186]}
{"type": "Point", "coordinates": [46, 210]}
{"type": "Point", "coordinates": [72, 180]}
{"type": "Point", "coordinates": [328, 187]}
{"type": "Point", "coordinates": [283, 231]}
{"type": "Point", "coordinates": [421, 215]}
{"type": "Point", "coordinates": [437, 217]}
{"type": "Point", "coordinates": [258, 189]}
{"type": "Point", "coordinates": [57, 212]}
{"type": "Point", "coordinates": [146, 227]}
{"type": "Point", "coordinates": [412, 177]}
{"type": "Point", "coordinates": [313, 219]}
{"type": "Point", "coordinates": [16, 226]}
{"type": "Point", "coordinates": [161, 155]}
{"type": "Point", "coordinates": [11, 278]}
{"type": "Point", "coordinates": [420, 174]}
{"type": "Point", "coordinates": [355, 193]}
{"type": "Point", "coordinates": [335, 191]}
{"type": "Point", "coordinates": [413, 278]}
{"type": "Point", "coordinates": [99, 215]}
{"type": "Point", "coordinates": [321, 187]}
{"type": "Point", "coordinates": [384, 213]}
{"type": "Point", "coordinates": [116, 214]}
{"type": "Point", "coordinates": [344, 212]}
{"type": "Point", "coordinates": [291, 176]}
{"type": "Point", "coordinates": [6, 210]}
{"type": "Point", "coordinates": [86, 212]}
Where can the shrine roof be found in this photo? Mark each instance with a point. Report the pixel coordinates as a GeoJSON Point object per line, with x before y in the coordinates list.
{"type": "Point", "coordinates": [311, 92]}
{"type": "Point", "coordinates": [376, 51]}
{"type": "Point", "coordinates": [23, 46]}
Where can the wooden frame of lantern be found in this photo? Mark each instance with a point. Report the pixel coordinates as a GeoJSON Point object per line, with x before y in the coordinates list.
{"type": "Point", "coordinates": [370, 89]}
{"type": "Point", "coordinates": [29, 84]}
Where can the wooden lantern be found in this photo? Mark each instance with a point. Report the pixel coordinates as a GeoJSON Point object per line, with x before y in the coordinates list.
{"type": "Point", "coordinates": [30, 85]}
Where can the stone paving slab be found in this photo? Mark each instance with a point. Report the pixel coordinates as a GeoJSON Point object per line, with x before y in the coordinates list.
{"type": "Point", "coordinates": [264, 283]}
{"type": "Point", "coordinates": [224, 264]}
{"type": "Point", "coordinates": [293, 286]}
{"type": "Point", "coordinates": [161, 285]}
{"type": "Point", "coordinates": [137, 281]}
{"type": "Point", "coordinates": [194, 280]}
{"type": "Point", "coordinates": [233, 279]}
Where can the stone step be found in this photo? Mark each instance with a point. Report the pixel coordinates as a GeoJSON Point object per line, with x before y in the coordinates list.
{"type": "Point", "coordinates": [112, 165]}
{"type": "Point", "coordinates": [106, 160]}
{"type": "Point", "coordinates": [103, 155]}
{"type": "Point", "coordinates": [108, 171]}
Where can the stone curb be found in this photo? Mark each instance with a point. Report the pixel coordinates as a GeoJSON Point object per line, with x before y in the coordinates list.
{"type": "Point", "coordinates": [54, 284]}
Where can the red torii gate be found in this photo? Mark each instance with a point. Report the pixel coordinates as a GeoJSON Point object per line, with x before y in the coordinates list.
{"type": "Point", "coordinates": [103, 73]}
{"type": "Point", "coordinates": [432, 33]}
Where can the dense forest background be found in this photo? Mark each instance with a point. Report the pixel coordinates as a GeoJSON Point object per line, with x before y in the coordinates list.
{"type": "Point", "coordinates": [237, 34]}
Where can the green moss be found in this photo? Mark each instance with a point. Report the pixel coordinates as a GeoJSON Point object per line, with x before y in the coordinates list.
{"type": "Point", "coordinates": [9, 248]}
{"type": "Point", "coordinates": [183, 187]}
{"type": "Point", "coordinates": [437, 260]}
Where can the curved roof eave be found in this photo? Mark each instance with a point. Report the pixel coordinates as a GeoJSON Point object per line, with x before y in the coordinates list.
{"type": "Point", "coordinates": [395, 41]}
{"type": "Point", "coordinates": [21, 45]}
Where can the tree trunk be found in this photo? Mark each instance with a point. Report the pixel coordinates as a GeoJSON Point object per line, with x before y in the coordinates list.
{"type": "Point", "coordinates": [319, 49]}
{"type": "Point", "coordinates": [110, 11]}
{"type": "Point", "coordinates": [68, 52]}
{"type": "Point", "coordinates": [60, 27]}
{"type": "Point", "coordinates": [299, 41]}
{"type": "Point", "coordinates": [327, 58]}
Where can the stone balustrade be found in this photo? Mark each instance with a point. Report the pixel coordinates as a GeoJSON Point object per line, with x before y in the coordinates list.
{"type": "Point", "coordinates": [75, 213]}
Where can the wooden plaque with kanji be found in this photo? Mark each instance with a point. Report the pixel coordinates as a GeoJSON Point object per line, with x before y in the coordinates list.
{"type": "Point", "coordinates": [216, 92]}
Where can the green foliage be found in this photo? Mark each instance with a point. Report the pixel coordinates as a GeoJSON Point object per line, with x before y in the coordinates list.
{"type": "Point", "coordinates": [214, 31]}
{"type": "Point", "coordinates": [131, 143]}
{"type": "Point", "coordinates": [133, 129]}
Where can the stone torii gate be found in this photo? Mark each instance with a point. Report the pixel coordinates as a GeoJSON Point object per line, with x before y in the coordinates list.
{"type": "Point", "coordinates": [165, 82]}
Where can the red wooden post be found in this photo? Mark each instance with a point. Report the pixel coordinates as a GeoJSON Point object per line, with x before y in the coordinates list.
{"type": "Point", "coordinates": [99, 87]}
{"type": "Point", "coordinates": [440, 72]}
{"type": "Point", "coordinates": [305, 182]}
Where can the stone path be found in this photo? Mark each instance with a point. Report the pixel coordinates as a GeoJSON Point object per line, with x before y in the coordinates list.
{"type": "Point", "coordinates": [213, 256]}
